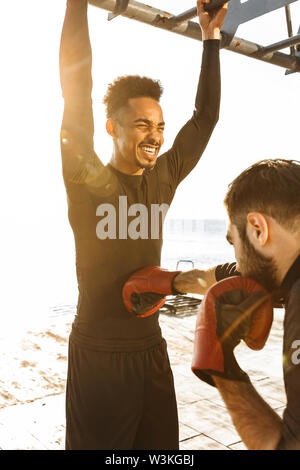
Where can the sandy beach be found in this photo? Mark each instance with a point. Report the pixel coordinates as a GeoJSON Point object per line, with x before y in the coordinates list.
{"type": "Point", "coordinates": [33, 380]}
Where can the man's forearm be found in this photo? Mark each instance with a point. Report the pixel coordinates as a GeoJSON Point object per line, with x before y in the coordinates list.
{"type": "Point", "coordinates": [196, 281]}
{"type": "Point", "coordinates": [75, 53]}
{"type": "Point", "coordinates": [255, 421]}
{"type": "Point", "coordinates": [207, 103]}
{"type": "Point", "coordinates": [80, 163]}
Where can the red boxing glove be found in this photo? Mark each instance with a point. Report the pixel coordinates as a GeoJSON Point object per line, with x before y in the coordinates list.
{"type": "Point", "coordinates": [145, 291]}
{"type": "Point", "coordinates": [233, 309]}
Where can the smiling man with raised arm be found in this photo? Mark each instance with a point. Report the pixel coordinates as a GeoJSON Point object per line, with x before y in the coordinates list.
{"type": "Point", "coordinates": [120, 391]}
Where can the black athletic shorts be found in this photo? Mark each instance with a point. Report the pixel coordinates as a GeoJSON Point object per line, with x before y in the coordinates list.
{"type": "Point", "coordinates": [120, 400]}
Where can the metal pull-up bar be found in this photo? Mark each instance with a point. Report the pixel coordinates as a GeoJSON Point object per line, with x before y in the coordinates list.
{"type": "Point", "coordinates": [121, 6]}
{"type": "Point", "coordinates": [292, 41]}
{"type": "Point", "coordinates": [192, 13]}
{"type": "Point", "coordinates": [164, 20]}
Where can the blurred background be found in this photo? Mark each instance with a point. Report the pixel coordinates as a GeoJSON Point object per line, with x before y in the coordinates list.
{"type": "Point", "coordinates": [259, 119]}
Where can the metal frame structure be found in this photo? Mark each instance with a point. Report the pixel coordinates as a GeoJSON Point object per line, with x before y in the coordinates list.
{"type": "Point", "coordinates": [239, 11]}
{"type": "Point", "coordinates": [181, 306]}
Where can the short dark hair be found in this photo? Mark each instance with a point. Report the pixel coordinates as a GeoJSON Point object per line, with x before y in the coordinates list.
{"type": "Point", "coordinates": [129, 86]}
{"type": "Point", "coordinates": [269, 186]}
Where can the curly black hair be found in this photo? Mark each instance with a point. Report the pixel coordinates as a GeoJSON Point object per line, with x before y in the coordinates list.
{"type": "Point", "coordinates": [129, 86]}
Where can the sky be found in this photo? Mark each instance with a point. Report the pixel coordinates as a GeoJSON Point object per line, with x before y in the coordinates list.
{"type": "Point", "coordinates": [259, 118]}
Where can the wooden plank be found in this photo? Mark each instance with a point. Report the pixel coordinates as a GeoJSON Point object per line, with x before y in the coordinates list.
{"type": "Point", "coordinates": [34, 426]}
{"type": "Point", "coordinates": [201, 442]}
{"type": "Point", "coordinates": [209, 419]}
{"type": "Point", "coordinates": [16, 437]}
{"type": "Point", "coordinates": [238, 446]}
{"type": "Point", "coordinates": [186, 432]}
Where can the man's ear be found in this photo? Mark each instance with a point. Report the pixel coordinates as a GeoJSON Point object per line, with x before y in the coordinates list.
{"type": "Point", "coordinates": [257, 228]}
{"type": "Point", "coordinates": [110, 127]}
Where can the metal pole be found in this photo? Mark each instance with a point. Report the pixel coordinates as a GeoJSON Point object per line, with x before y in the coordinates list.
{"type": "Point", "coordinates": [289, 25]}
{"type": "Point", "coordinates": [160, 19]}
{"type": "Point", "coordinates": [192, 12]}
{"type": "Point", "coordinates": [281, 44]}
{"type": "Point", "coordinates": [186, 15]}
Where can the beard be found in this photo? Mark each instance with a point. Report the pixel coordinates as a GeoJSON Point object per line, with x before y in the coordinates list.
{"type": "Point", "coordinates": [145, 165]}
{"type": "Point", "coordinates": [258, 267]}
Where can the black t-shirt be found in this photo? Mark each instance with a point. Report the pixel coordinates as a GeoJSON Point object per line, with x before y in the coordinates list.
{"type": "Point", "coordinates": [291, 359]}
{"type": "Point", "coordinates": [99, 194]}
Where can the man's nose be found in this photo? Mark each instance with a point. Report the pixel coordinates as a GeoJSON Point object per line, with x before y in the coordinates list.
{"type": "Point", "coordinates": [154, 134]}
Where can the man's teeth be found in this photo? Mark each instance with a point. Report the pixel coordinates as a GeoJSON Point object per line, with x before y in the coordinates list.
{"type": "Point", "coordinates": [150, 150]}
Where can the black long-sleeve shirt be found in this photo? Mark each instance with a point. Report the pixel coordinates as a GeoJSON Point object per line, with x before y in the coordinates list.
{"type": "Point", "coordinates": [103, 265]}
